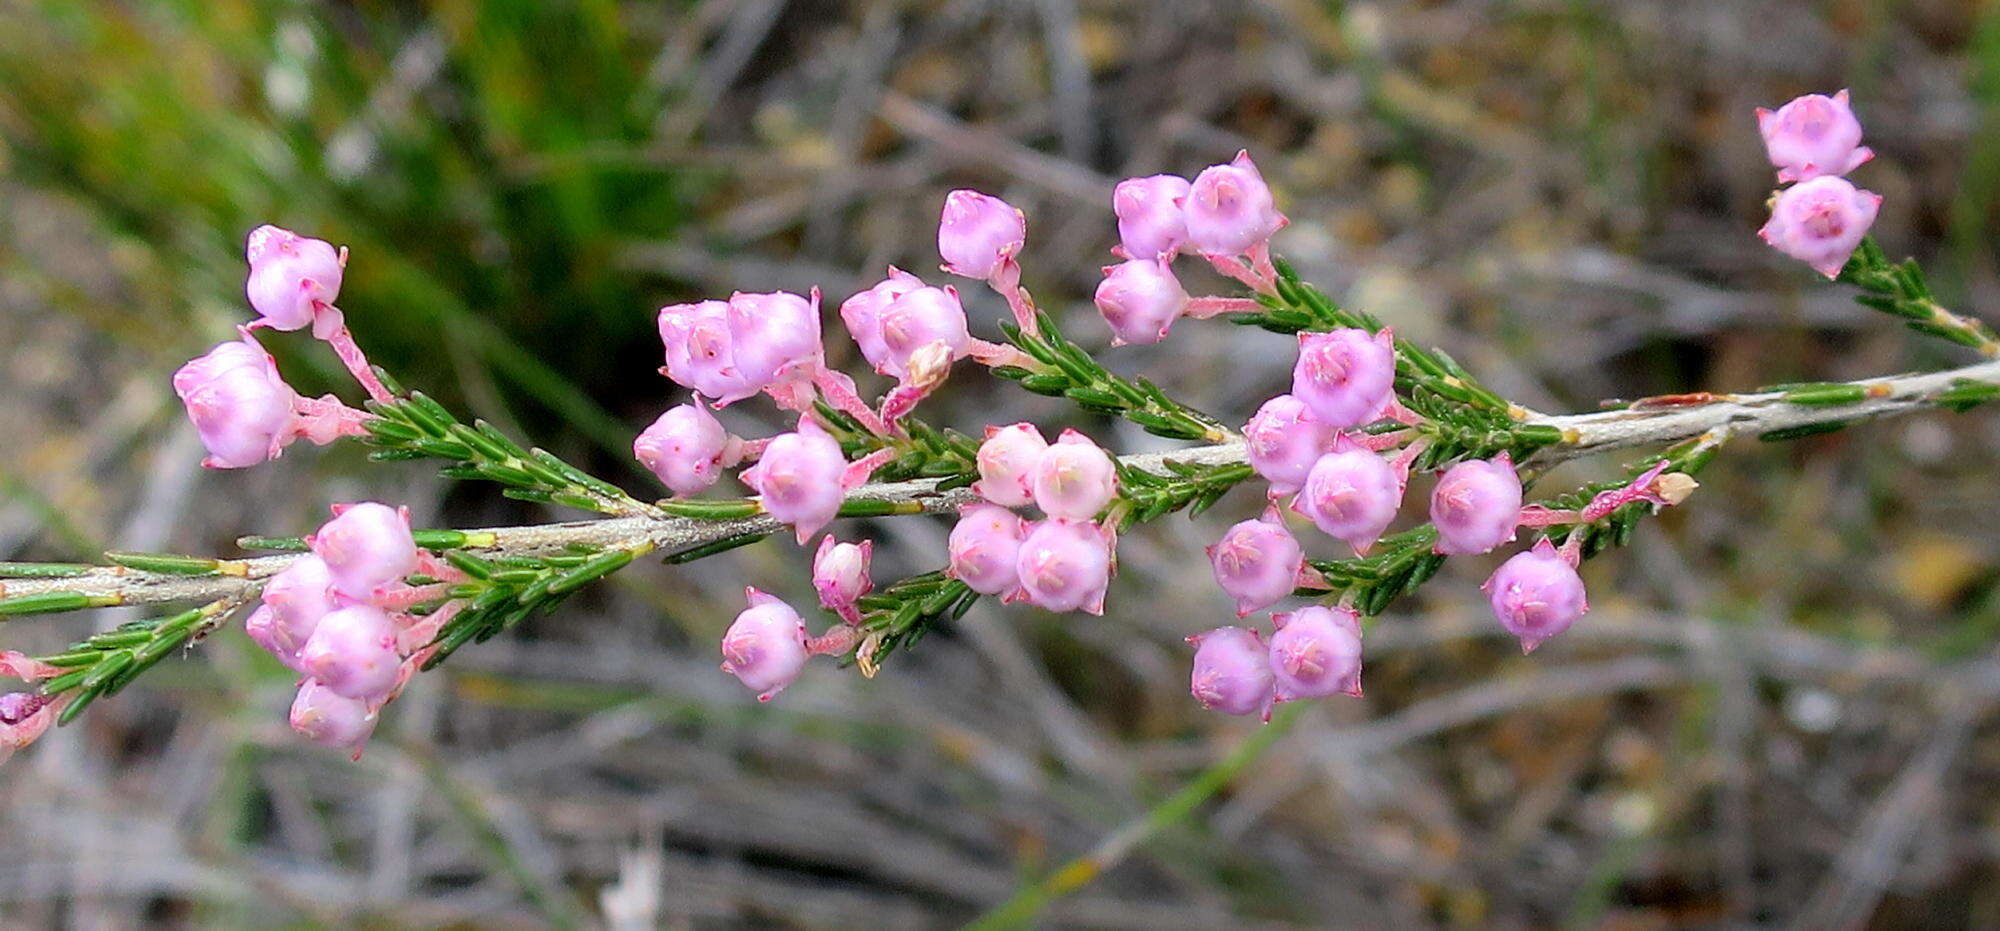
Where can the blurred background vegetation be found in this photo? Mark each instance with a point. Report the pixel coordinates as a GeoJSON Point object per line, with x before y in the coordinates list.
{"type": "Point", "coordinates": [1777, 714]}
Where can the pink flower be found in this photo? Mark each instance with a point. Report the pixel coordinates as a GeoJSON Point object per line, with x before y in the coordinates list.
{"type": "Point", "coordinates": [366, 546]}
{"type": "Point", "coordinates": [1065, 565]}
{"type": "Point", "coordinates": [1283, 441]}
{"type": "Point", "coordinates": [330, 719]}
{"type": "Point", "coordinates": [1074, 478]}
{"type": "Point", "coordinates": [687, 448]}
{"type": "Point", "coordinates": [985, 550]}
{"type": "Point", "coordinates": [923, 318]}
{"type": "Point", "coordinates": [1229, 209]}
{"type": "Point", "coordinates": [291, 276]}
{"type": "Point", "coordinates": [979, 235]}
{"type": "Point", "coordinates": [1351, 494]}
{"type": "Point", "coordinates": [1316, 652]}
{"type": "Point", "coordinates": [1141, 299]}
{"type": "Point", "coordinates": [1346, 377]}
{"type": "Point", "coordinates": [863, 315]}
{"type": "Point", "coordinates": [1476, 506]}
{"type": "Point", "coordinates": [1150, 220]}
{"type": "Point", "coordinates": [801, 478]}
{"type": "Point", "coordinates": [1813, 136]}
{"type": "Point", "coordinates": [840, 575]}
{"type": "Point", "coordinates": [1007, 461]}
{"type": "Point", "coordinates": [776, 339]}
{"type": "Point", "coordinates": [353, 652]}
{"type": "Point", "coordinates": [24, 716]}
{"type": "Point", "coordinates": [294, 601]}
{"type": "Point", "coordinates": [1257, 562]}
{"type": "Point", "coordinates": [1232, 671]}
{"type": "Point", "coordinates": [752, 342]}
{"type": "Point", "coordinates": [1820, 222]}
{"type": "Point", "coordinates": [766, 645]}
{"type": "Point", "coordinates": [1536, 594]}
{"type": "Point", "coordinates": [240, 405]}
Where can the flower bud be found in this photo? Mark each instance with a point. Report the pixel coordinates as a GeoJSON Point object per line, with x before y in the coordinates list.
{"type": "Point", "coordinates": [775, 338]}
{"type": "Point", "coordinates": [1232, 671]}
{"type": "Point", "coordinates": [294, 601]}
{"type": "Point", "coordinates": [1141, 299]}
{"type": "Point", "coordinates": [1821, 222]}
{"type": "Point", "coordinates": [1316, 652]}
{"type": "Point", "coordinates": [239, 404]}
{"type": "Point", "coordinates": [863, 315]}
{"type": "Point", "coordinates": [1813, 136]}
{"type": "Point", "coordinates": [1229, 209]}
{"type": "Point", "coordinates": [1476, 506]}
{"type": "Point", "coordinates": [1257, 562]}
{"type": "Point", "coordinates": [985, 549]}
{"type": "Point", "coordinates": [353, 652]}
{"type": "Point", "coordinates": [1536, 594]}
{"type": "Point", "coordinates": [1351, 494]}
{"type": "Point", "coordinates": [1283, 441]}
{"type": "Point", "coordinates": [1065, 565]}
{"type": "Point", "coordinates": [1007, 461]}
{"type": "Point", "coordinates": [327, 718]}
{"type": "Point", "coordinates": [687, 448]}
{"type": "Point", "coordinates": [1345, 376]}
{"type": "Point", "coordinates": [701, 352]}
{"type": "Point", "coordinates": [979, 234]}
{"type": "Point", "coordinates": [1074, 478]}
{"type": "Point", "coordinates": [925, 317]}
{"type": "Point", "coordinates": [766, 645]}
{"type": "Point", "coordinates": [799, 478]}
{"type": "Point", "coordinates": [840, 575]}
{"type": "Point", "coordinates": [1151, 223]}
{"type": "Point", "coordinates": [290, 276]}
{"type": "Point", "coordinates": [366, 546]}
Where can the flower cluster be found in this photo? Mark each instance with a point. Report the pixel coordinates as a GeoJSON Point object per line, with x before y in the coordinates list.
{"type": "Point", "coordinates": [366, 607]}
{"type": "Point", "coordinates": [338, 617]}
{"type": "Point", "coordinates": [1227, 215]}
{"type": "Point", "coordinates": [1062, 562]}
{"type": "Point", "coordinates": [1815, 140]}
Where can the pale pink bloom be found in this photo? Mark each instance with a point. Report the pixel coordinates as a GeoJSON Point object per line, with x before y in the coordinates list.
{"type": "Point", "coordinates": [366, 547]}
{"type": "Point", "coordinates": [1821, 222]}
{"type": "Point", "coordinates": [979, 235]}
{"type": "Point", "coordinates": [353, 652]}
{"type": "Point", "coordinates": [1284, 440]}
{"type": "Point", "coordinates": [840, 575]}
{"type": "Point", "coordinates": [985, 548]}
{"type": "Point", "coordinates": [802, 477]}
{"type": "Point", "coordinates": [1074, 478]}
{"type": "Point", "coordinates": [1346, 376]}
{"type": "Point", "coordinates": [765, 646]}
{"type": "Point", "coordinates": [25, 716]}
{"type": "Point", "coordinates": [1229, 209]}
{"type": "Point", "coordinates": [239, 404]}
{"type": "Point", "coordinates": [1351, 494]}
{"type": "Point", "coordinates": [1316, 652]}
{"type": "Point", "coordinates": [330, 719]}
{"type": "Point", "coordinates": [291, 276]}
{"type": "Point", "coordinates": [1813, 136]}
{"type": "Point", "coordinates": [1007, 461]}
{"type": "Point", "coordinates": [1151, 223]}
{"type": "Point", "coordinates": [1065, 565]}
{"type": "Point", "coordinates": [863, 315]}
{"type": "Point", "coordinates": [1476, 506]}
{"type": "Point", "coordinates": [294, 601]}
{"type": "Point", "coordinates": [1140, 299]}
{"type": "Point", "coordinates": [1232, 671]}
{"type": "Point", "coordinates": [1536, 594]}
{"type": "Point", "coordinates": [687, 449]}
{"type": "Point", "coordinates": [730, 350]}
{"type": "Point", "coordinates": [1257, 562]}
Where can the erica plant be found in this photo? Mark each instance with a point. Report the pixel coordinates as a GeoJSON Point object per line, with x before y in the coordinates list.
{"type": "Point", "coordinates": [366, 601]}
